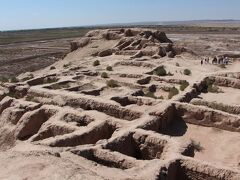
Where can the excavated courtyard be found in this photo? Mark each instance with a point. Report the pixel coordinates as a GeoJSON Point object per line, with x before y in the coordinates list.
{"type": "Point", "coordinates": [124, 104]}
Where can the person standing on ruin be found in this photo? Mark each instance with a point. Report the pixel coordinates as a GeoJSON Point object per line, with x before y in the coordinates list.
{"type": "Point", "coordinates": [214, 61]}
{"type": "Point", "coordinates": [220, 60]}
{"type": "Point", "coordinates": [201, 62]}
{"type": "Point", "coordinates": [226, 60]}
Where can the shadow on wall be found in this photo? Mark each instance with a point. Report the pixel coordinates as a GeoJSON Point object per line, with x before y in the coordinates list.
{"type": "Point", "coordinates": [176, 128]}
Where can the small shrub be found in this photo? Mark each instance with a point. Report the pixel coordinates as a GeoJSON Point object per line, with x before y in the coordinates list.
{"type": "Point", "coordinates": [160, 71]}
{"type": "Point", "coordinates": [222, 66]}
{"type": "Point", "coordinates": [56, 86]}
{"type": "Point", "coordinates": [196, 146]}
{"type": "Point", "coordinates": [218, 106]}
{"type": "Point", "coordinates": [173, 92]}
{"type": "Point", "coordinates": [16, 95]}
{"type": "Point", "coordinates": [12, 94]}
{"type": "Point", "coordinates": [184, 85]}
{"type": "Point", "coordinates": [59, 86]}
{"type": "Point", "coordinates": [66, 65]}
{"type": "Point", "coordinates": [161, 97]}
{"type": "Point", "coordinates": [14, 80]}
{"type": "Point", "coordinates": [3, 79]}
{"type": "Point", "coordinates": [177, 64]}
{"type": "Point", "coordinates": [109, 68]}
{"type": "Point", "coordinates": [52, 67]}
{"type": "Point", "coordinates": [213, 89]}
{"type": "Point", "coordinates": [187, 72]}
{"type": "Point", "coordinates": [32, 99]}
{"type": "Point", "coordinates": [96, 63]}
{"type": "Point", "coordinates": [209, 82]}
{"type": "Point", "coordinates": [31, 76]}
{"type": "Point", "coordinates": [170, 74]}
{"type": "Point", "coordinates": [112, 84]}
{"type": "Point", "coordinates": [151, 95]}
{"type": "Point", "coordinates": [29, 98]}
{"type": "Point", "coordinates": [104, 75]}
{"type": "Point", "coordinates": [50, 80]}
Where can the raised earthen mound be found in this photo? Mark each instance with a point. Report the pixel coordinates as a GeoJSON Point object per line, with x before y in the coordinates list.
{"type": "Point", "coordinates": [135, 110]}
{"type": "Point", "coordinates": [135, 42]}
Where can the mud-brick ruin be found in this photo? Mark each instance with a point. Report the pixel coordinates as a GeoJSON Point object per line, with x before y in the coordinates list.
{"type": "Point", "coordinates": [120, 106]}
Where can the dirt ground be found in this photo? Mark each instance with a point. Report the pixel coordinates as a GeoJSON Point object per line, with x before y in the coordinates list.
{"type": "Point", "coordinates": [233, 96]}
{"type": "Point", "coordinates": [213, 141]}
{"type": "Point", "coordinates": [31, 56]}
{"type": "Point", "coordinates": [124, 104]}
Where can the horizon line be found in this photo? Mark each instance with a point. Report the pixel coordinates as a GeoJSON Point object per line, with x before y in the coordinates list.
{"type": "Point", "coordinates": [147, 23]}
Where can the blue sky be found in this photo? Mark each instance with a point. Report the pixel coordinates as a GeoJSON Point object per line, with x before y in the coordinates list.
{"type": "Point", "coordinates": [29, 14]}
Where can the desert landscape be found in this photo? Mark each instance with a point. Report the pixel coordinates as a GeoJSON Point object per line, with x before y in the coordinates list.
{"type": "Point", "coordinates": [122, 103]}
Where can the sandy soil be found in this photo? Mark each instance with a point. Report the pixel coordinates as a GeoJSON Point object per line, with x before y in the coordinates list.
{"type": "Point", "coordinates": [219, 147]}
{"type": "Point", "coordinates": [70, 122]}
{"type": "Point", "coordinates": [229, 96]}
{"type": "Point", "coordinates": [31, 56]}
